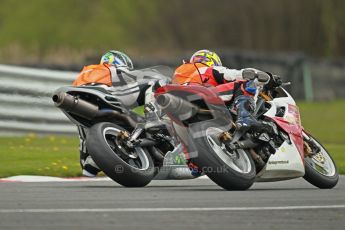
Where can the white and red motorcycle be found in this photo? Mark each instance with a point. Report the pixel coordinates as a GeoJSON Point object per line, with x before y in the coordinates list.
{"type": "Point", "coordinates": [235, 159]}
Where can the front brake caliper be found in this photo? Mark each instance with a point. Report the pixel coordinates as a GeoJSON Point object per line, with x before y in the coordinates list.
{"type": "Point", "coordinates": [319, 158]}
{"type": "Point", "coordinates": [307, 150]}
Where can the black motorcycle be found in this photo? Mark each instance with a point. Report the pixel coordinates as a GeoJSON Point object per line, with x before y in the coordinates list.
{"type": "Point", "coordinates": [128, 147]}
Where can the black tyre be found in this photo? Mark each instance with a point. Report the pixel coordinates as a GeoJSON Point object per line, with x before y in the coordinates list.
{"type": "Point", "coordinates": [230, 170]}
{"type": "Point", "coordinates": [320, 169]}
{"type": "Point", "coordinates": [130, 168]}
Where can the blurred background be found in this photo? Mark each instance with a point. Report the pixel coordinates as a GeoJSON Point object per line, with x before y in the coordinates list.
{"type": "Point", "coordinates": [296, 39]}
{"type": "Point", "coordinates": [303, 41]}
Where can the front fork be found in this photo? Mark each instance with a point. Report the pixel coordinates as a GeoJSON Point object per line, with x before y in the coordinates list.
{"type": "Point", "coordinates": [310, 148]}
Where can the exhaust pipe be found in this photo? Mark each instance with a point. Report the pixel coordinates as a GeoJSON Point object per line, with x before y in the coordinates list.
{"type": "Point", "coordinates": [86, 109]}
{"type": "Point", "coordinates": [75, 105]}
{"type": "Point", "coordinates": [176, 106]}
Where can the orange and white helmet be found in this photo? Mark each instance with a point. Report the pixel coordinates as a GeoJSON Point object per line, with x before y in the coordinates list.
{"type": "Point", "coordinates": [206, 57]}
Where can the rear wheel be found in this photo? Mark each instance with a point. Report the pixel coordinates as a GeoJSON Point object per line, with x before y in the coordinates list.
{"type": "Point", "coordinates": [231, 170]}
{"type": "Point", "coordinates": [320, 169]}
{"type": "Point", "coordinates": [128, 167]}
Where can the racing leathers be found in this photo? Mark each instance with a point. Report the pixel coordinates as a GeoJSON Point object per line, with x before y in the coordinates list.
{"type": "Point", "coordinates": [230, 84]}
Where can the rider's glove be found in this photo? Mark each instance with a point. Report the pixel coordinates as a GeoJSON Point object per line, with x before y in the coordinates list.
{"type": "Point", "coordinates": [277, 80]}
{"type": "Point", "coordinates": [274, 82]}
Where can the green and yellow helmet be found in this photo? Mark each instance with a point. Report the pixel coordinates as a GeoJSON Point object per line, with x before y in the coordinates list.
{"type": "Point", "coordinates": [206, 57]}
{"type": "Point", "coordinates": [117, 59]}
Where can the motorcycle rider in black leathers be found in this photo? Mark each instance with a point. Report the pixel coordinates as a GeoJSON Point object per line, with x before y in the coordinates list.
{"type": "Point", "coordinates": [133, 87]}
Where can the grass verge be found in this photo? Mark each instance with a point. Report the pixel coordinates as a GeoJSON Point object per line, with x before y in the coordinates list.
{"type": "Point", "coordinates": [32, 155]}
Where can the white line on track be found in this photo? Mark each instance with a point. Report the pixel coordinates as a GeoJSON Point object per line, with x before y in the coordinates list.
{"type": "Point", "coordinates": [170, 209]}
{"type": "Point", "coordinates": [24, 178]}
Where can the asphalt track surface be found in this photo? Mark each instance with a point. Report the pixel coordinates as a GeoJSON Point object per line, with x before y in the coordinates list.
{"type": "Point", "coordinates": [188, 204]}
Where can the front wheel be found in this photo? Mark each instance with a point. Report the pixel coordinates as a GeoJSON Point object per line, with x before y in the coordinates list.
{"type": "Point", "coordinates": [128, 167]}
{"type": "Point", "coordinates": [320, 169]}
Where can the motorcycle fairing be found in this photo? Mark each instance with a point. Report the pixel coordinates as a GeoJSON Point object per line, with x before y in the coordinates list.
{"type": "Point", "coordinates": [288, 161]}
{"type": "Point", "coordinates": [283, 165]}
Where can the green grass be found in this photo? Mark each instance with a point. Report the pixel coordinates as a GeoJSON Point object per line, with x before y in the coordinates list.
{"type": "Point", "coordinates": [59, 155]}
{"type": "Point", "coordinates": [32, 155]}
{"type": "Point", "coordinates": [324, 120]}
{"type": "Point", "coordinates": [337, 152]}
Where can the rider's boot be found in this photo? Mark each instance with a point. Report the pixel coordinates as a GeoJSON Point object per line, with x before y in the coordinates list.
{"type": "Point", "coordinates": [89, 167]}
{"type": "Point", "coordinates": [245, 106]}
{"type": "Point", "coordinates": [194, 169]}
{"type": "Point", "coordinates": [245, 120]}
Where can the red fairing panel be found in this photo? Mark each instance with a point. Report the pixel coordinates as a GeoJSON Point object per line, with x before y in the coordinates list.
{"type": "Point", "coordinates": [295, 132]}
